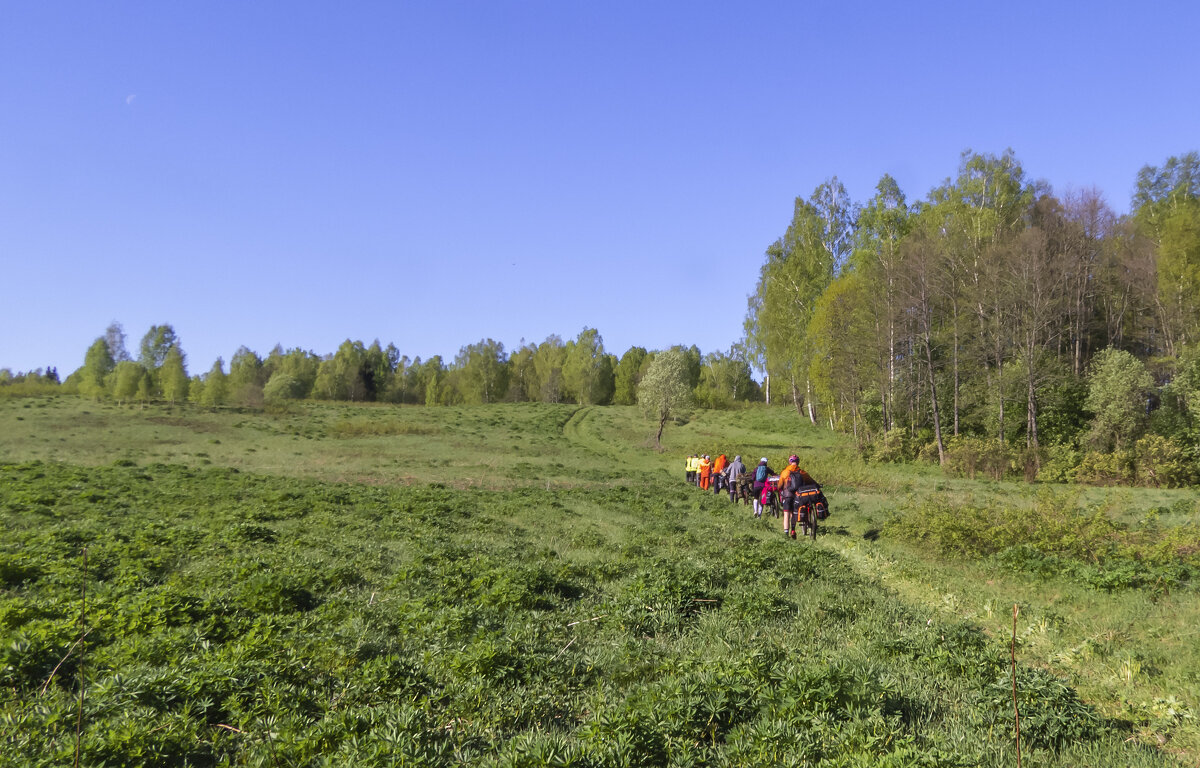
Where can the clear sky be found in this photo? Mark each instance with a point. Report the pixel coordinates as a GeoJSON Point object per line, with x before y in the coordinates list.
{"type": "Point", "coordinates": [433, 173]}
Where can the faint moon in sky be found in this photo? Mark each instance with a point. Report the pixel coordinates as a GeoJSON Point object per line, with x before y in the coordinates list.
{"type": "Point", "coordinates": [129, 99]}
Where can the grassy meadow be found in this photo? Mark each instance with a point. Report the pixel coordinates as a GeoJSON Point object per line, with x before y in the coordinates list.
{"type": "Point", "coordinates": [531, 584]}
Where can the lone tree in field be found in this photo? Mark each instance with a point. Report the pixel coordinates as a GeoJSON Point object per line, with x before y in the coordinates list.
{"type": "Point", "coordinates": [664, 391]}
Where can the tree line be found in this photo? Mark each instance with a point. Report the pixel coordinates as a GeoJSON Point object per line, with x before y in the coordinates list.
{"type": "Point", "coordinates": [579, 370]}
{"type": "Point", "coordinates": [994, 325]}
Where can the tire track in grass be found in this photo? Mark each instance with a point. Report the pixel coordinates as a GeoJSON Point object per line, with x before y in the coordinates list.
{"type": "Point", "coordinates": [608, 456]}
{"type": "Point", "coordinates": [583, 433]}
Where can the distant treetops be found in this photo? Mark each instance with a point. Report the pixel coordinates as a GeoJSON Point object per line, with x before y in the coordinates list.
{"type": "Point", "coordinates": [578, 371]}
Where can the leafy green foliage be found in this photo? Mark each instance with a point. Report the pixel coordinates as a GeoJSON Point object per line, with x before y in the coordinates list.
{"type": "Point", "coordinates": [1117, 389]}
{"type": "Point", "coordinates": [241, 618]}
{"type": "Point", "coordinates": [555, 595]}
{"type": "Point", "coordinates": [97, 364]}
{"type": "Point", "coordinates": [1053, 537]}
{"type": "Point", "coordinates": [664, 391]}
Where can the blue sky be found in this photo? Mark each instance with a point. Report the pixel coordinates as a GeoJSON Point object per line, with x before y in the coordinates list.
{"type": "Point", "coordinates": [434, 173]}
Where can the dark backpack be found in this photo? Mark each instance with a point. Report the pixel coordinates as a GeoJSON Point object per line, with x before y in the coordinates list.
{"type": "Point", "coordinates": [794, 482]}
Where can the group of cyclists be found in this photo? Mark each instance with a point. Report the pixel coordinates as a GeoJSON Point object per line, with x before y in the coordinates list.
{"type": "Point", "coordinates": [791, 494]}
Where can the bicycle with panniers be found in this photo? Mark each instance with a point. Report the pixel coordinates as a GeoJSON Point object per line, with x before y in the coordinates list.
{"type": "Point", "coordinates": [803, 502]}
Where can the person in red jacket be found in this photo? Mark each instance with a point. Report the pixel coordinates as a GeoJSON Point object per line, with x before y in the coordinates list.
{"type": "Point", "coordinates": [717, 468]}
{"type": "Point", "coordinates": [705, 472]}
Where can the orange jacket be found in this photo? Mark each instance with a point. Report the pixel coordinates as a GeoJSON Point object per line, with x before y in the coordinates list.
{"type": "Point", "coordinates": [805, 478]}
{"type": "Point", "coordinates": [720, 463]}
{"type": "Point", "coordinates": [783, 476]}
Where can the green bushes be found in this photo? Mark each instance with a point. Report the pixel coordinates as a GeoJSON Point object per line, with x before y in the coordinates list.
{"type": "Point", "coordinates": [1153, 461]}
{"type": "Point", "coordinates": [1053, 536]}
{"type": "Point", "coordinates": [1052, 716]}
{"type": "Point", "coordinates": [1163, 463]}
{"type": "Point", "coordinates": [969, 456]}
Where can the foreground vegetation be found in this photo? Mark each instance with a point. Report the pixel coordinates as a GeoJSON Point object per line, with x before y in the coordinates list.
{"type": "Point", "coordinates": [531, 584]}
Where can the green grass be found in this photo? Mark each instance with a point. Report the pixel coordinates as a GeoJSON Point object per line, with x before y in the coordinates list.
{"type": "Point", "coordinates": [532, 585]}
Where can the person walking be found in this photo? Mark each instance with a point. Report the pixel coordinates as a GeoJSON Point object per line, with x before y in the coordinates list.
{"type": "Point", "coordinates": [733, 474]}
{"type": "Point", "coordinates": [705, 472]}
{"type": "Point", "coordinates": [761, 473]}
{"type": "Point", "coordinates": [717, 476]}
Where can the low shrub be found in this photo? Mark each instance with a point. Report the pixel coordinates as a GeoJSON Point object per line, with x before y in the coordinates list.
{"type": "Point", "coordinates": [1053, 536]}
{"type": "Point", "coordinates": [890, 448]}
{"type": "Point", "coordinates": [1052, 714]}
{"type": "Point", "coordinates": [1163, 462]}
{"type": "Point", "coordinates": [1116, 468]}
{"type": "Point", "coordinates": [1059, 463]}
{"type": "Point", "coordinates": [968, 456]}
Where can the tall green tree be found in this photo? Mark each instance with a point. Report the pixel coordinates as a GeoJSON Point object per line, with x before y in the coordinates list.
{"type": "Point", "coordinates": [483, 368]}
{"type": "Point", "coordinates": [1118, 389]}
{"type": "Point", "coordinates": [434, 377]}
{"type": "Point", "coordinates": [1160, 190]}
{"type": "Point", "coordinates": [843, 366]}
{"type": "Point", "coordinates": [98, 363]}
{"type": "Point", "coordinates": [173, 376]}
{"type": "Point", "coordinates": [882, 225]}
{"type": "Point", "coordinates": [114, 338]}
{"type": "Point", "coordinates": [978, 213]}
{"type": "Point", "coordinates": [798, 268]}
{"type": "Point", "coordinates": [548, 369]}
{"type": "Point", "coordinates": [377, 370]}
{"type": "Point", "coordinates": [301, 365]}
{"type": "Point", "coordinates": [215, 389]}
{"type": "Point", "coordinates": [664, 392]}
{"type": "Point", "coordinates": [155, 345]}
{"type": "Point", "coordinates": [397, 388]}
{"type": "Point", "coordinates": [725, 379]}
{"type": "Point", "coordinates": [281, 388]}
{"type": "Point", "coordinates": [1179, 274]}
{"type": "Point", "coordinates": [522, 376]}
{"type": "Point", "coordinates": [127, 377]}
{"type": "Point", "coordinates": [587, 371]}
{"type": "Point", "coordinates": [629, 371]}
{"type": "Point", "coordinates": [340, 377]}
{"type": "Point", "coordinates": [246, 377]}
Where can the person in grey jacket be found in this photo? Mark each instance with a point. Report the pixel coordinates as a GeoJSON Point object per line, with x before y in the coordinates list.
{"type": "Point", "coordinates": [732, 473]}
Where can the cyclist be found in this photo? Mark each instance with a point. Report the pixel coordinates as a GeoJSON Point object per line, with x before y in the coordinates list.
{"type": "Point", "coordinates": [790, 481]}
